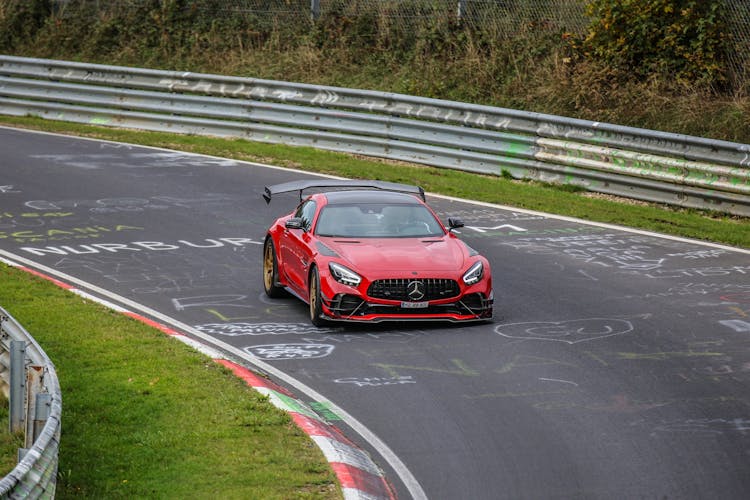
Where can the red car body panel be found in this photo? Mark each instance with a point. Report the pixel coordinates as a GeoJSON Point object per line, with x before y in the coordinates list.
{"type": "Point", "coordinates": [379, 258]}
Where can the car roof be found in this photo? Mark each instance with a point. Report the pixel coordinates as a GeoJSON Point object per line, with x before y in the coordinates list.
{"type": "Point", "coordinates": [370, 196]}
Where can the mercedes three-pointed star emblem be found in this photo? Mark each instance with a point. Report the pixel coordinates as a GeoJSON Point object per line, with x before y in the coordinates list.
{"type": "Point", "coordinates": [415, 290]}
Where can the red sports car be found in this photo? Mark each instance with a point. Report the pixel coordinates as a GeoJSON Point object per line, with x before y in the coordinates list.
{"type": "Point", "coordinates": [371, 252]}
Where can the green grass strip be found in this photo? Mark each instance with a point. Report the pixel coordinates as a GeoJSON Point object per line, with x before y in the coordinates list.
{"type": "Point", "coordinates": [145, 416]}
{"type": "Point", "coordinates": [561, 200]}
{"type": "Point", "coordinates": [9, 442]}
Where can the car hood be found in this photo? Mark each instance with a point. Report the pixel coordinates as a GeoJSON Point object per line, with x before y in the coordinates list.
{"type": "Point", "coordinates": [445, 255]}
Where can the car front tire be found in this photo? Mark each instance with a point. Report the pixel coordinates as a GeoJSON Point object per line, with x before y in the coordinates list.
{"type": "Point", "coordinates": [271, 271]}
{"type": "Point", "coordinates": [314, 299]}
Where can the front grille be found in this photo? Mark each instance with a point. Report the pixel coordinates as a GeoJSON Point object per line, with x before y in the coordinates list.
{"type": "Point", "coordinates": [398, 289]}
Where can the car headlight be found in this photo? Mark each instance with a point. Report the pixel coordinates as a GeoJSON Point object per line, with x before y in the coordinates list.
{"type": "Point", "coordinates": [474, 274]}
{"type": "Point", "coordinates": [344, 275]}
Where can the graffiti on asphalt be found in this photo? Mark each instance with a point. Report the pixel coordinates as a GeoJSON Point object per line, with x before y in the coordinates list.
{"type": "Point", "coordinates": [274, 352]}
{"type": "Point", "coordinates": [569, 331]}
{"type": "Point", "coordinates": [255, 329]}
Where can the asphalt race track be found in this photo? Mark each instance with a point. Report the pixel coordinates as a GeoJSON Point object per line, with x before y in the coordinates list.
{"type": "Point", "coordinates": [617, 366]}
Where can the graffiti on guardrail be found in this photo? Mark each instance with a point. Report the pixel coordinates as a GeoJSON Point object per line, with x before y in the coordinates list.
{"type": "Point", "coordinates": [612, 159]}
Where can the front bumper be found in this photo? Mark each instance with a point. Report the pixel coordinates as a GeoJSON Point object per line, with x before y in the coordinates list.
{"type": "Point", "coordinates": [347, 307]}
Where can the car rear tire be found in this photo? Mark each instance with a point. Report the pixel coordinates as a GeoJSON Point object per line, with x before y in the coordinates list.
{"type": "Point", "coordinates": [314, 300]}
{"type": "Point", "coordinates": [271, 271]}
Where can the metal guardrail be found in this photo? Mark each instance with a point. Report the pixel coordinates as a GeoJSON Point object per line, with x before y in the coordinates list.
{"type": "Point", "coordinates": [642, 164]}
{"type": "Point", "coordinates": [28, 376]}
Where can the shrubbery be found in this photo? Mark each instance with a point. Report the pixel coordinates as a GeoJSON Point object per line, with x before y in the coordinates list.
{"type": "Point", "coordinates": [659, 64]}
{"type": "Point", "coordinates": [681, 39]}
{"type": "Point", "coordinates": [678, 39]}
{"type": "Point", "coordinates": [20, 21]}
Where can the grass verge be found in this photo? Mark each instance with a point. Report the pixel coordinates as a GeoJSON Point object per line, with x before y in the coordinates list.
{"type": "Point", "coordinates": [145, 416]}
{"type": "Point", "coordinates": [701, 225]}
{"type": "Point", "coordinates": [9, 442]}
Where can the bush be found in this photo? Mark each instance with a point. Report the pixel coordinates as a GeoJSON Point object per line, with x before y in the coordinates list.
{"type": "Point", "coordinates": [681, 39]}
{"type": "Point", "coordinates": [20, 21]}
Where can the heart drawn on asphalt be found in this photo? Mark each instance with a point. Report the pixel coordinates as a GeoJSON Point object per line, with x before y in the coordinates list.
{"type": "Point", "coordinates": [569, 331]}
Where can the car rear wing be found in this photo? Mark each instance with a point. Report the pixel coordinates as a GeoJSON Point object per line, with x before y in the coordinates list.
{"type": "Point", "coordinates": [332, 183]}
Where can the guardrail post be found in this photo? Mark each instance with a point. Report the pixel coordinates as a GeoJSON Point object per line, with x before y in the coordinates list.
{"type": "Point", "coordinates": [42, 412]}
{"type": "Point", "coordinates": [5, 372]}
{"type": "Point", "coordinates": [34, 388]}
{"type": "Point", "coordinates": [17, 383]}
{"type": "Point", "coordinates": [35, 409]}
{"type": "Point", "coordinates": [315, 9]}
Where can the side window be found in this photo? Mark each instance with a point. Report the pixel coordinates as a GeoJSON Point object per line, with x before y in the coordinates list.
{"type": "Point", "coordinates": [306, 212]}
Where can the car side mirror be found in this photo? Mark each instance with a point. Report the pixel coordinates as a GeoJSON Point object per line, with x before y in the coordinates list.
{"type": "Point", "coordinates": [454, 223]}
{"type": "Point", "coordinates": [295, 223]}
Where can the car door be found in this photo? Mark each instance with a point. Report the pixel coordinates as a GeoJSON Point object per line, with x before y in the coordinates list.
{"type": "Point", "coordinates": [295, 248]}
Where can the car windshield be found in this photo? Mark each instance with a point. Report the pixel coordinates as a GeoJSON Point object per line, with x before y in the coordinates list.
{"type": "Point", "coordinates": [377, 220]}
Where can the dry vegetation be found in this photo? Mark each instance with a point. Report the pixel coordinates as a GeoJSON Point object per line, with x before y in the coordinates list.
{"type": "Point", "coordinates": [540, 69]}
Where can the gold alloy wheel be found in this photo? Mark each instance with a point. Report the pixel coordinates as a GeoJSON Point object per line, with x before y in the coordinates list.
{"type": "Point", "coordinates": [313, 298]}
{"type": "Point", "coordinates": [268, 266]}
